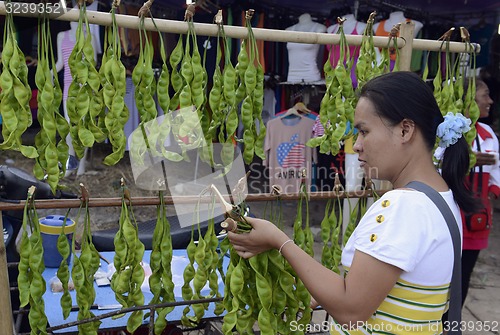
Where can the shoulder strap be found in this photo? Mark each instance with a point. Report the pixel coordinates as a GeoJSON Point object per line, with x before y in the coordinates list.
{"type": "Point", "coordinates": [455, 307]}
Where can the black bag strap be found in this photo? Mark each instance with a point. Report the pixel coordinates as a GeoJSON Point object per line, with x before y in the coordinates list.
{"type": "Point", "coordinates": [455, 307]}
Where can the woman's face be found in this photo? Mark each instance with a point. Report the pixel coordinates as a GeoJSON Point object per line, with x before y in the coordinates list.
{"type": "Point", "coordinates": [376, 143]}
{"type": "Point", "coordinates": [483, 100]}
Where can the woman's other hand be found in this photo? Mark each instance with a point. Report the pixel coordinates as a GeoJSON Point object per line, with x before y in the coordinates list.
{"type": "Point", "coordinates": [483, 158]}
{"type": "Point", "coordinates": [263, 236]}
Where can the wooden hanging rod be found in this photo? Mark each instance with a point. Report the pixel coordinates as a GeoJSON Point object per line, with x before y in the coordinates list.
{"type": "Point", "coordinates": [205, 29]}
{"type": "Point", "coordinates": [153, 201]}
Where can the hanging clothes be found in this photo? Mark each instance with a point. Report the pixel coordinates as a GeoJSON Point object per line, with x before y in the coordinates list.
{"type": "Point", "coordinates": [302, 57]}
{"type": "Point", "coordinates": [311, 115]}
{"type": "Point", "coordinates": [287, 154]}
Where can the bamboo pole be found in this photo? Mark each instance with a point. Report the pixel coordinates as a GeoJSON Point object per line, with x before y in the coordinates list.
{"type": "Point", "coordinates": [169, 200]}
{"type": "Point", "coordinates": [205, 29]}
{"type": "Point", "coordinates": [406, 33]}
{"type": "Point", "coordinates": [6, 309]}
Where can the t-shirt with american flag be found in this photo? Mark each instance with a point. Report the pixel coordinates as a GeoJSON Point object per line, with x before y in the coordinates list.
{"type": "Point", "coordinates": [287, 154]}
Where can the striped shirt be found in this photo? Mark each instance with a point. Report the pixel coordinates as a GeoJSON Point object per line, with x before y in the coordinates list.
{"type": "Point", "coordinates": [408, 309]}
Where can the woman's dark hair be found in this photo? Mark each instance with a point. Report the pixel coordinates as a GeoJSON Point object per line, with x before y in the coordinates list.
{"type": "Point", "coordinates": [404, 95]}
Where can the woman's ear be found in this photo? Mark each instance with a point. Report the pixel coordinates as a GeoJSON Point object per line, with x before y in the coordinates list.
{"type": "Point", "coordinates": [407, 129]}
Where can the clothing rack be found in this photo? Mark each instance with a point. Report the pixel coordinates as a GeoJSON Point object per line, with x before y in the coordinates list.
{"type": "Point", "coordinates": [406, 43]}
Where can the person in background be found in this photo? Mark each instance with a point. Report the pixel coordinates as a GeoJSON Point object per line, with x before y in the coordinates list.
{"type": "Point", "coordinates": [399, 259]}
{"type": "Point", "coordinates": [484, 181]}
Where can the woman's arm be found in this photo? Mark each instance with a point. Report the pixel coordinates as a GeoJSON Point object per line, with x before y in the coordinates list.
{"type": "Point", "coordinates": [349, 300]}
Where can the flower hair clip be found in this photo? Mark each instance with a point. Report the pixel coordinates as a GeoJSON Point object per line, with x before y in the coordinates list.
{"type": "Point", "coordinates": [452, 128]}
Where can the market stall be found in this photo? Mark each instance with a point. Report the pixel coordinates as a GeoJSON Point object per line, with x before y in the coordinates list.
{"type": "Point", "coordinates": [405, 42]}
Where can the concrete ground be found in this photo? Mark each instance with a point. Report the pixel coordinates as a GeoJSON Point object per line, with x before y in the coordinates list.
{"type": "Point", "coordinates": [482, 306]}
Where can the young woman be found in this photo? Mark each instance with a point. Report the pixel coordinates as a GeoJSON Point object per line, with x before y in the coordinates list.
{"type": "Point", "coordinates": [399, 259]}
{"type": "Point", "coordinates": [485, 184]}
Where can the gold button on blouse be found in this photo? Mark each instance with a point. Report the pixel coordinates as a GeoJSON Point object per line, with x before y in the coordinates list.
{"type": "Point", "coordinates": [386, 203]}
{"type": "Point", "coordinates": [379, 218]}
{"type": "Point", "coordinates": [373, 237]}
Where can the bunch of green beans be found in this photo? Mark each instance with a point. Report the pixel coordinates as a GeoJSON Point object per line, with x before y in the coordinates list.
{"type": "Point", "coordinates": [449, 91]}
{"type": "Point", "coordinates": [160, 281]}
{"type": "Point", "coordinates": [326, 233]}
{"type": "Point", "coordinates": [337, 105]}
{"type": "Point", "coordinates": [189, 81]}
{"type": "Point", "coordinates": [331, 230]}
{"type": "Point", "coordinates": [145, 88]}
{"type": "Point", "coordinates": [302, 234]}
{"type": "Point", "coordinates": [31, 284]}
{"type": "Point", "coordinates": [250, 93]}
{"type": "Point", "coordinates": [448, 101]}
{"type": "Point", "coordinates": [113, 80]}
{"type": "Point", "coordinates": [470, 107]}
{"type": "Point", "coordinates": [357, 212]}
{"type": "Point", "coordinates": [367, 60]}
{"type": "Point", "coordinates": [188, 276]}
{"type": "Point", "coordinates": [15, 93]}
{"type": "Point", "coordinates": [85, 265]}
{"type": "Point", "coordinates": [192, 74]}
{"type": "Point", "coordinates": [129, 250]}
{"type": "Point", "coordinates": [63, 273]}
{"type": "Point", "coordinates": [303, 237]}
{"type": "Point", "coordinates": [208, 268]}
{"type": "Point", "coordinates": [50, 141]}
{"type": "Point", "coordinates": [219, 98]}
{"type": "Point", "coordinates": [83, 103]}
{"type": "Point", "coordinates": [264, 288]}
{"type": "Point", "coordinates": [143, 77]}
{"type": "Point", "coordinates": [443, 92]}
{"type": "Point", "coordinates": [196, 275]}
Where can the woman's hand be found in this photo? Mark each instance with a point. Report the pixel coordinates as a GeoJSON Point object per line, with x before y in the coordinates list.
{"type": "Point", "coordinates": [263, 236]}
{"type": "Point", "coordinates": [483, 158]}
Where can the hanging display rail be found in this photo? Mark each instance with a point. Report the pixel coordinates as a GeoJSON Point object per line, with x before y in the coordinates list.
{"type": "Point", "coordinates": [153, 201]}
{"type": "Point", "coordinates": [205, 29]}
{"type": "Point", "coordinates": [406, 43]}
